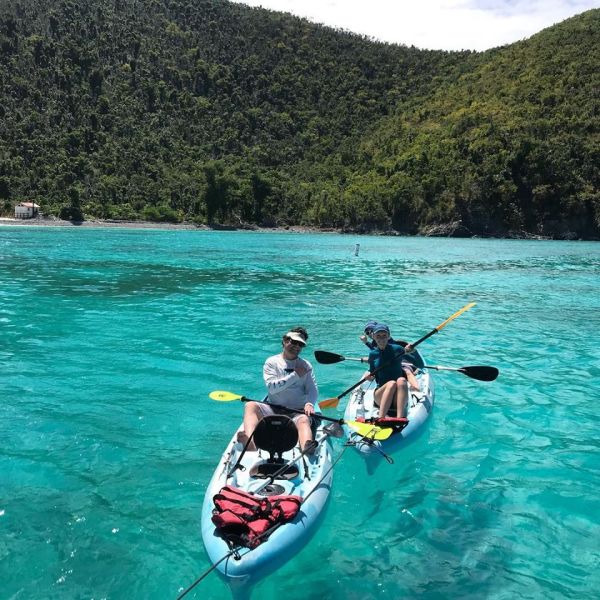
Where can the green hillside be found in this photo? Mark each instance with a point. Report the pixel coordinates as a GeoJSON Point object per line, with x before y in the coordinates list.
{"type": "Point", "coordinates": [218, 113]}
{"type": "Point", "coordinates": [511, 146]}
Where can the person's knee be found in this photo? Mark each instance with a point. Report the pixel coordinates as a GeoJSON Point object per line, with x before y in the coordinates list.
{"type": "Point", "coordinates": [252, 408]}
{"type": "Point", "coordinates": [302, 421]}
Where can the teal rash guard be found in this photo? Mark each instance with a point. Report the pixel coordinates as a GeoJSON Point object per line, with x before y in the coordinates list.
{"type": "Point", "coordinates": [392, 354]}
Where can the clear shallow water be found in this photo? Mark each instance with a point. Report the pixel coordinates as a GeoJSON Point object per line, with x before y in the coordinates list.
{"type": "Point", "coordinates": [110, 341]}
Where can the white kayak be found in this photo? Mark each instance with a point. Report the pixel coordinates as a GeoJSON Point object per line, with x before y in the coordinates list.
{"type": "Point", "coordinates": [307, 476]}
{"type": "Point", "coordinates": [361, 406]}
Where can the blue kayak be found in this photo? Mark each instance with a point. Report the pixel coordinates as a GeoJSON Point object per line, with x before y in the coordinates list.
{"type": "Point", "coordinates": [361, 406]}
{"type": "Point", "coordinates": [306, 476]}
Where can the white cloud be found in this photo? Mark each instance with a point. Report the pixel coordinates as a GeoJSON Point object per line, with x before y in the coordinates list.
{"type": "Point", "coordinates": [436, 24]}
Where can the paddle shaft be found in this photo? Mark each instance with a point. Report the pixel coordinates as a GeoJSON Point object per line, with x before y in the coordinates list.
{"type": "Point", "coordinates": [294, 410]}
{"type": "Point", "coordinates": [352, 424]}
{"type": "Point", "coordinates": [371, 373]}
{"type": "Point", "coordinates": [442, 325]}
{"type": "Point", "coordinates": [425, 337]}
{"type": "Point", "coordinates": [440, 368]}
{"type": "Point", "coordinates": [480, 372]}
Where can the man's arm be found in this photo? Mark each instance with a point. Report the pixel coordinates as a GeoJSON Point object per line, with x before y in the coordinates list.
{"type": "Point", "coordinates": [276, 379]}
{"type": "Point", "coordinates": [312, 391]}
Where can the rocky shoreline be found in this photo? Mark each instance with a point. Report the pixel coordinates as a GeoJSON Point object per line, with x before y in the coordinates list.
{"type": "Point", "coordinates": [454, 229]}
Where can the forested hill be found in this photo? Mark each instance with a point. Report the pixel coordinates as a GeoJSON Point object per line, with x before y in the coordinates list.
{"type": "Point", "coordinates": [219, 113]}
{"type": "Point", "coordinates": [512, 145]}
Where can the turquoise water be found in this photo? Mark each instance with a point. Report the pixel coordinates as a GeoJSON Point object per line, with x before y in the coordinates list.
{"type": "Point", "coordinates": [110, 341]}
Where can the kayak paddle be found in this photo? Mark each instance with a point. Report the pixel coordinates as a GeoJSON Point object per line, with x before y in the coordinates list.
{"type": "Point", "coordinates": [222, 396]}
{"type": "Point", "coordinates": [373, 432]}
{"type": "Point", "coordinates": [482, 373]}
{"type": "Point", "coordinates": [333, 402]}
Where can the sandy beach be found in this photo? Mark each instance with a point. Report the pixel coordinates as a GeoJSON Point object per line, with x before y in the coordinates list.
{"type": "Point", "coordinates": [124, 224]}
{"type": "Point", "coordinates": [45, 222]}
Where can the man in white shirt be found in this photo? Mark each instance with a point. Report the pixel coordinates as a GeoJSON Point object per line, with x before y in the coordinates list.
{"type": "Point", "coordinates": [290, 383]}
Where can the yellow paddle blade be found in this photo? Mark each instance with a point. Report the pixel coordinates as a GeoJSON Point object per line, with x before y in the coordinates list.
{"type": "Point", "coordinates": [456, 314]}
{"type": "Point", "coordinates": [222, 396]}
{"type": "Point", "coordinates": [329, 403]}
{"type": "Point", "coordinates": [370, 431]}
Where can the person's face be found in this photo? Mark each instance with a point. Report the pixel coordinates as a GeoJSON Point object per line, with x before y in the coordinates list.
{"type": "Point", "coordinates": [292, 347]}
{"type": "Point", "coordinates": [381, 337]}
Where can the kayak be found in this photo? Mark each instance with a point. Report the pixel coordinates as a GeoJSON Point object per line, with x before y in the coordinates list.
{"type": "Point", "coordinates": [268, 474]}
{"type": "Point", "coordinates": [361, 406]}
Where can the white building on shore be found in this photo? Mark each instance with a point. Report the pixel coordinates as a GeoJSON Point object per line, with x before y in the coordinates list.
{"type": "Point", "coordinates": [26, 210]}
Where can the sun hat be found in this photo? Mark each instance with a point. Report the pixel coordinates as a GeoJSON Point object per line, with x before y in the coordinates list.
{"type": "Point", "coordinates": [294, 335]}
{"type": "Point", "coordinates": [381, 327]}
{"type": "Point", "coordinates": [369, 326]}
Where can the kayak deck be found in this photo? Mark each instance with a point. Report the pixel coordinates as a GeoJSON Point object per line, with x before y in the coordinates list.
{"type": "Point", "coordinates": [307, 476]}
{"type": "Point", "coordinates": [362, 406]}
{"type": "Point", "coordinates": [255, 468]}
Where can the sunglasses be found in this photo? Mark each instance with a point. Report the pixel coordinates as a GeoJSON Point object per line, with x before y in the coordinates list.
{"type": "Point", "coordinates": [295, 342]}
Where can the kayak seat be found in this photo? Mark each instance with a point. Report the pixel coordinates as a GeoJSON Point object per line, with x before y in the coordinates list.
{"type": "Point", "coordinates": [275, 434]}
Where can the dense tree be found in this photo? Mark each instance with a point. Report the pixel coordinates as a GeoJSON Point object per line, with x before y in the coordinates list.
{"type": "Point", "coordinates": [215, 112]}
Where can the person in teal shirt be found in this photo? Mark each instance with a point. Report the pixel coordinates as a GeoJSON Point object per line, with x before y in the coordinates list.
{"type": "Point", "coordinates": [390, 376]}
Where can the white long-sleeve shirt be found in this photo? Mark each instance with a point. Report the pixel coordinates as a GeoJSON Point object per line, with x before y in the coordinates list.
{"type": "Point", "coordinates": [284, 385]}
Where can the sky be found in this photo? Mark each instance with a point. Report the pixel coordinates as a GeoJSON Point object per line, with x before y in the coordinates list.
{"type": "Point", "coordinates": [436, 24]}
